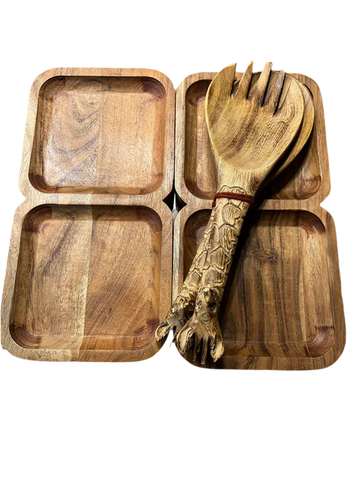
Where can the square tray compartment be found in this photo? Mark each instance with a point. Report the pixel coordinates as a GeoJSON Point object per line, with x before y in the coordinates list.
{"type": "Point", "coordinates": [105, 264]}
{"type": "Point", "coordinates": [278, 302]}
{"type": "Point", "coordinates": [99, 135]}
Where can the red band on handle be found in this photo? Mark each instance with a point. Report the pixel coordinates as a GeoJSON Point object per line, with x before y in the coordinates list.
{"type": "Point", "coordinates": [233, 196]}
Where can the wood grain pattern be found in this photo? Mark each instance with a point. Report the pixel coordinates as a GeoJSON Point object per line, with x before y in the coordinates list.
{"type": "Point", "coordinates": [90, 260]}
{"type": "Point", "coordinates": [268, 323]}
{"type": "Point", "coordinates": [54, 251]}
{"type": "Point", "coordinates": [301, 180]}
{"type": "Point", "coordinates": [82, 249]}
{"type": "Point", "coordinates": [61, 216]}
{"type": "Point", "coordinates": [251, 124]}
{"type": "Point", "coordinates": [199, 167]}
{"type": "Point", "coordinates": [99, 135]}
{"type": "Point", "coordinates": [262, 314]}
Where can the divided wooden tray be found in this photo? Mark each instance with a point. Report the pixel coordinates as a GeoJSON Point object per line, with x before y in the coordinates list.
{"type": "Point", "coordinates": [90, 261]}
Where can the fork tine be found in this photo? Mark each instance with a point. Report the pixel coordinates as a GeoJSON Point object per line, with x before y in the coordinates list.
{"type": "Point", "coordinates": [286, 85]}
{"type": "Point", "coordinates": [220, 88]}
{"type": "Point", "coordinates": [242, 86]}
{"type": "Point", "coordinates": [276, 90]}
{"type": "Point", "coordinates": [222, 84]}
{"type": "Point", "coordinates": [263, 82]}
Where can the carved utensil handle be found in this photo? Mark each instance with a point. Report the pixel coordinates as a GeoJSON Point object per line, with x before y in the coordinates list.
{"type": "Point", "coordinates": [184, 304]}
{"type": "Point", "coordinates": [202, 331]}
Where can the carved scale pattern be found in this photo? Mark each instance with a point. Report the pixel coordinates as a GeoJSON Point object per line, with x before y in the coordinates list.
{"type": "Point", "coordinates": [213, 259]}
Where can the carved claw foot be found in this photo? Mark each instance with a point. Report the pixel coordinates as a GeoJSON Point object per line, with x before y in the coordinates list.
{"type": "Point", "coordinates": [175, 319]}
{"type": "Point", "coordinates": [202, 332]}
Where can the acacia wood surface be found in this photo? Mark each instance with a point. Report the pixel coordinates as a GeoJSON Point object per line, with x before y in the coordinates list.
{"type": "Point", "coordinates": [90, 260]}
{"type": "Point", "coordinates": [99, 135]}
{"type": "Point", "coordinates": [251, 124]}
{"type": "Point", "coordinates": [288, 334]}
{"type": "Point", "coordinates": [282, 308]}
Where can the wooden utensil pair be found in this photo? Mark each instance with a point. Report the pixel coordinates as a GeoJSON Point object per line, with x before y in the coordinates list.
{"type": "Point", "coordinates": [255, 124]}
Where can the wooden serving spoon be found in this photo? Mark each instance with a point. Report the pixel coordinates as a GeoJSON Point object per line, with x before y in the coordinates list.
{"type": "Point", "coordinates": [184, 304]}
{"type": "Point", "coordinates": [248, 135]}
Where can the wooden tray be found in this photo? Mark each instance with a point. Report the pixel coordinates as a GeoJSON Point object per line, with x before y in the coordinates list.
{"type": "Point", "coordinates": [282, 307]}
{"type": "Point", "coordinates": [90, 262]}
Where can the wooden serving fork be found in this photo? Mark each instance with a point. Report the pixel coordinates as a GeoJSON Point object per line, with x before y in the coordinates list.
{"type": "Point", "coordinates": [249, 134]}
